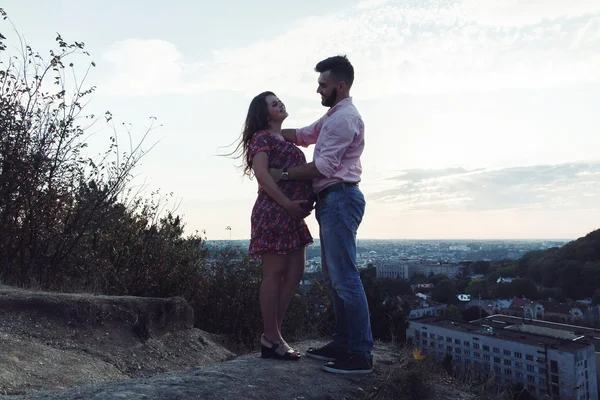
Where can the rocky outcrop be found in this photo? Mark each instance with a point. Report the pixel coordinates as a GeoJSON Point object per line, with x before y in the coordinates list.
{"type": "Point", "coordinates": [60, 340]}
{"type": "Point", "coordinates": [246, 377]}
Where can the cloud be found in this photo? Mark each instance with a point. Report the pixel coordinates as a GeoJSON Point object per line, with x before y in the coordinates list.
{"type": "Point", "coordinates": [396, 47]}
{"type": "Point", "coordinates": [420, 175]}
{"type": "Point", "coordinates": [514, 13]}
{"type": "Point", "coordinates": [144, 67]}
{"type": "Point", "coordinates": [572, 186]}
{"type": "Point", "coordinates": [367, 4]}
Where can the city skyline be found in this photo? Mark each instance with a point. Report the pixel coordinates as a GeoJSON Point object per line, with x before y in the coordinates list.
{"type": "Point", "coordinates": [480, 119]}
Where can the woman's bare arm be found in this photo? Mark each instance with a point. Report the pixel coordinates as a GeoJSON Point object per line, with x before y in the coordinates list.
{"type": "Point", "coordinates": [260, 166]}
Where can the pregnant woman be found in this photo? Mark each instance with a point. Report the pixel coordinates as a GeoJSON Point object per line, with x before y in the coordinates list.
{"type": "Point", "coordinates": [279, 235]}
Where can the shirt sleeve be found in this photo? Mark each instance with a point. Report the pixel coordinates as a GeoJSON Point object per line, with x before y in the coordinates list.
{"type": "Point", "coordinates": [258, 143]}
{"type": "Point", "coordinates": [335, 141]}
{"type": "Point", "coordinates": [309, 134]}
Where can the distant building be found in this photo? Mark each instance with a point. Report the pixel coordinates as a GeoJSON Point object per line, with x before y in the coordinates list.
{"type": "Point", "coordinates": [420, 307]}
{"type": "Point", "coordinates": [517, 307]}
{"type": "Point", "coordinates": [578, 313]}
{"type": "Point", "coordinates": [422, 287]}
{"type": "Point", "coordinates": [504, 280]}
{"type": "Point", "coordinates": [544, 365]}
{"type": "Point", "coordinates": [561, 312]}
{"type": "Point", "coordinates": [476, 277]}
{"type": "Point", "coordinates": [500, 305]}
{"type": "Point", "coordinates": [407, 269]}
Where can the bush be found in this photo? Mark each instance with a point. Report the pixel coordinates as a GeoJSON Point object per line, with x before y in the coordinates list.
{"type": "Point", "coordinates": [54, 201]}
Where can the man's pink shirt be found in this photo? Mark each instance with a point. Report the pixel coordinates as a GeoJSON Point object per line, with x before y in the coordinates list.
{"type": "Point", "coordinates": [339, 138]}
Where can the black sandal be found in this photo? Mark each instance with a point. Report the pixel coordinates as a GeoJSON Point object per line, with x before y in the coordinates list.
{"type": "Point", "coordinates": [270, 352]}
{"type": "Point", "coordinates": [292, 349]}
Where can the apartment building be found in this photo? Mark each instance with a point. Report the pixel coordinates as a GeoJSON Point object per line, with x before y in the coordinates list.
{"type": "Point", "coordinates": [553, 329]}
{"type": "Point", "coordinates": [558, 368]}
{"type": "Point", "coordinates": [406, 269]}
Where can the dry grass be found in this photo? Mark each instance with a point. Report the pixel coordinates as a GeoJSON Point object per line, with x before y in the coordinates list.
{"type": "Point", "coordinates": [411, 379]}
{"type": "Point", "coordinates": [408, 379]}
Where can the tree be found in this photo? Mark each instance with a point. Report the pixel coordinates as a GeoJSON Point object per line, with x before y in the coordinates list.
{"type": "Point", "coordinates": [524, 288]}
{"type": "Point", "coordinates": [590, 277]}
{"type": "Point", "coordinates": [502, 291]}
{"type": "Point", "coordinates": [419, 279]}
{"type": "Point", "coordinates": [445, 292]}
{"type": "Point", "coordinates": [389, 317]}
{"type": "Point", "coordinates": [552, 294]}
{"type": "Point", "coordinates": [492, 278]}
{"type": "Point", "coordinates": [473, 313]}
{"type": "Point", "coordinates": [395, 287]}
{"type": "Point", "coordinates": [481, 267]}
{"type": "Point", "coordinates": [477, 288]}
{"type": "Point", "coordinates": [462, 284]}
{"type": "Point", "coordinates": [508, 271]}
{"type": "Point", "coordinates": [572, 268]}
{"type": "Point", "coordinates": [435, 279]}
{"type": "Point", "coordinates": [451, 312]}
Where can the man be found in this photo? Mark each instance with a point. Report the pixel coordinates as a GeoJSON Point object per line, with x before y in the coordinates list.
{"type": "Point", "coordinates": [339, 142]}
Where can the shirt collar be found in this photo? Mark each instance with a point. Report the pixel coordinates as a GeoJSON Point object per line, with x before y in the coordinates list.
{"type": "Point", "coordinates": [342, 103]}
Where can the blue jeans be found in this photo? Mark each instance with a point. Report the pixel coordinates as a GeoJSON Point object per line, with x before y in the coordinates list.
{"type": "Point", "coordinates": [339, 214]}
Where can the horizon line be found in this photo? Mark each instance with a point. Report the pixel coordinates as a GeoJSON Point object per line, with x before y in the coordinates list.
{"type": "Point", "coordinates": [423, 239]}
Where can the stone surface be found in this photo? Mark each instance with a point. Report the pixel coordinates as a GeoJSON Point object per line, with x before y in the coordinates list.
{"type": "Point", "coordinates": [246, 377]}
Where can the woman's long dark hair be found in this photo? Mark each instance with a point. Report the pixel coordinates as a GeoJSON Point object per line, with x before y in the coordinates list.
{"type": "Point", "coordinates": [256, 120]}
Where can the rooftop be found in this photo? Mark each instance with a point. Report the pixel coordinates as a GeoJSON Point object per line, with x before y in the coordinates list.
{"type": "Point", "coordinates": [577, 333]}
{"type": "Point", "coordinates": [518, 303]}
{"type": "Point", "coordinates": [500, 331]}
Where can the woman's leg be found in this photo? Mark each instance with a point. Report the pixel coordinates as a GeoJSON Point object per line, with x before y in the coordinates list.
{"type": "Point", "coordinates": [296, 261]}
{"type": "Point", "coordinates": [274, 267]}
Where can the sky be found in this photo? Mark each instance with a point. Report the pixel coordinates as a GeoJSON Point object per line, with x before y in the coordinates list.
{"type": "Point", "coordinates": [481, 117]}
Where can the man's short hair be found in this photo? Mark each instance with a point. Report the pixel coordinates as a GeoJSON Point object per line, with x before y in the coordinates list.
{"type": "Point", "coordinates": [339, 68]}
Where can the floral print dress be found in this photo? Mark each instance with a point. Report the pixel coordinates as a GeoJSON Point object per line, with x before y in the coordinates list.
{"type": "Point", "coordinates": [273, 229]}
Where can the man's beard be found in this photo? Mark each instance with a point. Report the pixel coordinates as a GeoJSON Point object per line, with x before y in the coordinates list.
{"type": "Point", "coordinates": [330, 100]}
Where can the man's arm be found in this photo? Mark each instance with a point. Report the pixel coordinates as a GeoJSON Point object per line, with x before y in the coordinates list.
{"type": "Point", "coordinates": [289, 135]}
{"type": "Point", "coordinates": [309, 134]}
{"type": "Point", "coordinates": [327, 162]}
{"type": "Point", "coordinates": [300, 173]}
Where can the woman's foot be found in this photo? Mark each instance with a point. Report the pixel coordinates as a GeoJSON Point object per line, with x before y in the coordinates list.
{"type": "Point", "coordinates": [291, 348]}
{"type": "Point", "coordinates": [277, 349]}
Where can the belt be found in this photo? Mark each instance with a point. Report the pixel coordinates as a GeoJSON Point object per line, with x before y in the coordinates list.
{"type": "Point", "coordinates": [334, 188]}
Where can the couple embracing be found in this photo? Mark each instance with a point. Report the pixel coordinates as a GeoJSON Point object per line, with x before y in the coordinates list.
{"type": "Point", "coordinates": [288, 189]}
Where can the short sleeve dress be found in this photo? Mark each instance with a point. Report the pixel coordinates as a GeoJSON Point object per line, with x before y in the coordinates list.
{"type": "Point", "coordinates": [273, 229]}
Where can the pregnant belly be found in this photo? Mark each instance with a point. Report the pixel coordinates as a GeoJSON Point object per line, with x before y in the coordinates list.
{"type": "Point", "coordinates": [300, 190]}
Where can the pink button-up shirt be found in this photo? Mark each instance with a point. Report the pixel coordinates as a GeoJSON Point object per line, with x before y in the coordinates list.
{"type": "Point", "coordinates": [340, 139]}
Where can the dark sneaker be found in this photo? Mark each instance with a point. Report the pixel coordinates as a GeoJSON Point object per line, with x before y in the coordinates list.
{"type": "Point", "coordinates": [326, 353]}
{"type": "Point", "coordinates": [352, 365]}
